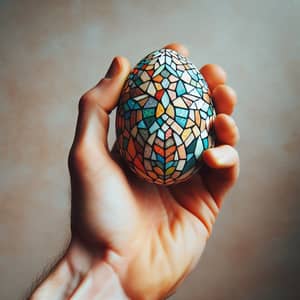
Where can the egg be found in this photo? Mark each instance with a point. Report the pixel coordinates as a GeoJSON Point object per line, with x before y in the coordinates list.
{"type": "Point", "coordinates": [164, 119]}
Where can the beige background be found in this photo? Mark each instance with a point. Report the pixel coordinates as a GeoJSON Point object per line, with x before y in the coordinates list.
{"type": "Point", "coordinates": [52, 51]}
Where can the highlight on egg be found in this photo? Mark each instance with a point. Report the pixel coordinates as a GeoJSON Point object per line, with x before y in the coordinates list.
{"type": "Point", "coordinates": [164, 118]}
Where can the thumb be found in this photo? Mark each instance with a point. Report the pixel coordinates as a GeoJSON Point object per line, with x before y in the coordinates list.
{"type": "Point", "coordinates": [94, 109]}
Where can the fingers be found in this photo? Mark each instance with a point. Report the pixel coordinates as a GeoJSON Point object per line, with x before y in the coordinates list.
{"type": "Point", "coordinates": [226, 130]}
{"type": "Point", "coordinates": [224, 99]}
{"type": "Point", "coordinates": [222, 171]}
{"type": "Point", "coordinates": [106, 93]}
{"type": "Point", "coordinates": [90, 148]}
{"type": "Point", "coordinates": [214, 75]}
{"type": "Point", "coordinates": [178, 48]}
{"type": "Point", "coordinates": [96, 104]}
{"type": "Point", "coordinates": [222, 162]}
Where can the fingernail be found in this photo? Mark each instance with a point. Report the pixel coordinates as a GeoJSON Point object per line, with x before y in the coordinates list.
{"type": "Point", "coordinates": [114, 68]}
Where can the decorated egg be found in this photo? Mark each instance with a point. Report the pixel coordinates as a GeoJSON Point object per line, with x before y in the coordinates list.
{"type": "Point", "coordinates": [164, 118]}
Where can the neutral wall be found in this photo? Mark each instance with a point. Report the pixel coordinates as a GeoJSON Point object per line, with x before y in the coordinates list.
{"type": "Point", "coordinates": [52, 51]}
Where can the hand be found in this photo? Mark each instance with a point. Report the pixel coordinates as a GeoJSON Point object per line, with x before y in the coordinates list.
{"type": "Point", "coordinates": [150, 237]}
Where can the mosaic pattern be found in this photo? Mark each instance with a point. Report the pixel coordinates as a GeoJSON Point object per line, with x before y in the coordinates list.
{"type": "Point", "coordinates": [164, 118]}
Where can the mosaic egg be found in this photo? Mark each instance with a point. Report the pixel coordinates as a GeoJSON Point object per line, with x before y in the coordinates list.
{"type": "Point", "coordinates": [164, 118]}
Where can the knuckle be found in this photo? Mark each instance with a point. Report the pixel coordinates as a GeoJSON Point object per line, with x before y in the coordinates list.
{"type": "Point", "coordinates": [87, 100]}
{"type": "Point", "coordinates": [77, 158]}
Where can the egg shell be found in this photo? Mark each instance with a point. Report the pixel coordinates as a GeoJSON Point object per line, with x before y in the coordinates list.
{"type": "Point", "coordinates": [164, 119]}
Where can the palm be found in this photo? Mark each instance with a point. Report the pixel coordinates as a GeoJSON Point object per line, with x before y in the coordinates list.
{"type": "Point", "coordinates": [141, 226]}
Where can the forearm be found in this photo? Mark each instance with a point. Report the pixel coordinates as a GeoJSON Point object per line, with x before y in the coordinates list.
{"type": "Point", "coordinates": [79, 276]}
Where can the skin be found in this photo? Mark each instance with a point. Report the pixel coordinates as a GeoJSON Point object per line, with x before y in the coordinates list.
{"type": "Point", "coordinates": [140, 239]}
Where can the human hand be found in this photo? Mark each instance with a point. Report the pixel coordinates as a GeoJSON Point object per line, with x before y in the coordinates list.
{"type": "Point", "coordinates": [132, 239]}
{"type": "Point", "coordinates": [151, 236]}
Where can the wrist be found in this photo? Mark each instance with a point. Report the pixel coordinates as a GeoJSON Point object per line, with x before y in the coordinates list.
{"type": "Point", "coordinates": [80, 275]}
